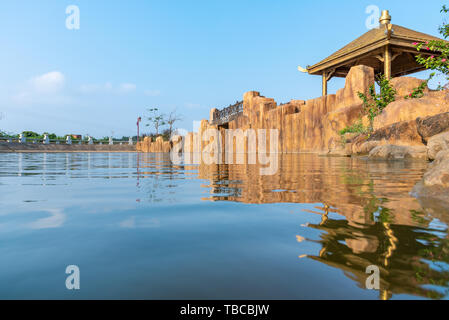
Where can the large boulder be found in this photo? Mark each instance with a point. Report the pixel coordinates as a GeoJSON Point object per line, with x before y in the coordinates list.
{"type": "Point", "coordinates": [433, 125]}
{"type": "Point", "coordinates": [405, 85]}
{"type": "Point", "coordinates": [434, 188]}
{"type": "Point", "coordinates": [361, 147]}
{"type": "Point", "coordinates": [431, 131]}
{"type": "Point", "coordinates": [392, 152]}
{"type": "Point", "coordinates": [401, 133]}
{"type": "Point", "coordinates": [359, 79]}
{"type": "Point", "coordinates": [437, 143]}
{"type": "Point", "coordinates": [398, 134]}
{"type": "Point", "coordinates": [407, 110]}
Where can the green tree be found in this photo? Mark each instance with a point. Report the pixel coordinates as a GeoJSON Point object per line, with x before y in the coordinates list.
{"type": "Point", "coordinates": [30, 134]}
{"type": "Point", "coordinates": [156, 119]}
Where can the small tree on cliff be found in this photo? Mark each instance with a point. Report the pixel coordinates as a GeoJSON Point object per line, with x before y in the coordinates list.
{"type": "Point", "coordinates": [374, 103]}
{"type": "Point", "coordinates": [156, 120]}
{"type": "Point", "coordinates": [440, 63]}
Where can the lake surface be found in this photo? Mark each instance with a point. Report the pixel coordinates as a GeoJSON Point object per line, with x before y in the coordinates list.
{"type": "Point", "coordinates": [139, 227]}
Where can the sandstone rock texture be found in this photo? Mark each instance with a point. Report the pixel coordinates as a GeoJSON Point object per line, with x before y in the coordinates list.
{"type": "Point", "coordinates": [158, 146]}
{"type": "Point", "coordinates": [405, 85]}
{"type": "Point", "coordinates": [314, 125]}
{"type": "Point", "coordinates": [392, 152]}
{"type": "Point", "coordinates": [427, 131]}
{"type": "Point", "coordinates": [435, 184]}
{"type": "Point", "coordinates": [311, 125]}
{"type": "Point", "coordinates": [438, 143]}
{"type": "Point", "coordinates": [433, 125]}
{"type": "Point", "coordinates": [431, 104]}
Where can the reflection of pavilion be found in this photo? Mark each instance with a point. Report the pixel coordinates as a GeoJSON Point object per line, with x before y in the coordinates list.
{"type": "Point", "coordinates": [384, 225]}
{"type": "Point", "coordinates": [397, 250]}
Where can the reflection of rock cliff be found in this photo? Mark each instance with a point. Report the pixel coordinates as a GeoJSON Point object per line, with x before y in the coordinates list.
{"type": "Point", "coordinates": [362, 209]}
{"type": "Point", "coordinates": [383, 225]}
{"type": "Point", "coordinates": [352, 187]}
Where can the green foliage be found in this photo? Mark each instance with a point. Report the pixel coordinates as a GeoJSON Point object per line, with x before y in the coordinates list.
{"type": "Point", "coordinates": [375, 103]}
{"type": "Point", "coordinates": [156, 119]}
{"type": "Point", "coordinates": [31, 134]}
{"type": "Point", "coordinates": [357, 127]}
{"type": "Point", "coordinates": [419, 91]}
{"type": "Point", "coordinates": [430, 61]}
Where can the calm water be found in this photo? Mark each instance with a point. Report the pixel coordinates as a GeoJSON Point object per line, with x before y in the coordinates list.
{"type": "Point", "coordinates": [139, 227]}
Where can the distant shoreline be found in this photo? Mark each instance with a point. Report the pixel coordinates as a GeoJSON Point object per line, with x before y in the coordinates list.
{"type": "Point", "coordinates": [63, 148]}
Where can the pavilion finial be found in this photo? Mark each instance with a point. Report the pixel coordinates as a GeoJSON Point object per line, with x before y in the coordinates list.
{"type": "Point", "coordinates": [385, 18]}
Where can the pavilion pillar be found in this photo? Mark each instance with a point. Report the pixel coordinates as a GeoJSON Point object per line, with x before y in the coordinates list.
{"type": "Point", "coordinates": [387, 62]}
{"type": "Point", "coordinates": [324, 84]}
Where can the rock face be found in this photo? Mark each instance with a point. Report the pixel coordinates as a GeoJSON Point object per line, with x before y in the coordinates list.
{"type": "Point", "coordinates": [407, 110]}
{"type": "Point", "coordinates": [159, 146]}
{"type": "Point", "coordinates": [405, 85]}
{"type": "Point", "coordinates": [438, 143]}
{"type": "Point", "coordinates": [314, 125]}
{"type": "Point", "coordinates": [401, 133]}
{"type": "Point", "coordinates": [433, 125]}
{"type": "Point", "coordinates": [417, 132]}
{"type": "Point", "coordinates": [435, 183]}
{"type": "Point", "coordinates": [311, 125]}
{"type": "Point", "coordinates": [392, 152]}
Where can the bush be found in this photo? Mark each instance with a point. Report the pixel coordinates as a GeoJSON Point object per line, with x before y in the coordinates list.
{"type": "Point", "coordinates": [374, 103]}
{"type": "Point", "coordinates": [419, 91]}
{"type": "Point", "coordinates": [357, 127]}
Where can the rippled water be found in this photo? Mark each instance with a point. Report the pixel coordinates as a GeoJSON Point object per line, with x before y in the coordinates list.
{"type": "Point", "coordinates": [139, 227]}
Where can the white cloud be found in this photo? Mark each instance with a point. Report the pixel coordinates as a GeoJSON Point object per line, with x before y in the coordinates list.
{"type": "Point", "coordinates": [48, 83]}
{"type": "Point", "coordinates": [55, 220]}
{"type": "Point", "coordinates": [46, 88]}
{"type": "Point", "coordinates": [127, 87]}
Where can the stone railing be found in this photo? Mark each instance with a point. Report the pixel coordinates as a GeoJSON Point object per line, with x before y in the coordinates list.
{"type": "Point", "coordinates": [68, 140]}
{"type": "Point", "coordinates": [221, 117]}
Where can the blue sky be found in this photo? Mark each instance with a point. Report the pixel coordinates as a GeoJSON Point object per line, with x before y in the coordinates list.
{"type": "Point", "coordinates": [185, 55]}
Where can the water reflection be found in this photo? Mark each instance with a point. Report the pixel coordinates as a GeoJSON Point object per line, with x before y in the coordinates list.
{"type": "Point", "coordinates": [383, 224]}
{"type": "Point", "coordinates": [342, 214]}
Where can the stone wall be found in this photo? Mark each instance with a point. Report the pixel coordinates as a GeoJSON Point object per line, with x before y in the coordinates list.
{"type": "Point", "coordinates": [158, 146]}
{"type": "Point", "coordinates": [311, 125]}
{"type": "Point", "coordinates": [314, 125]}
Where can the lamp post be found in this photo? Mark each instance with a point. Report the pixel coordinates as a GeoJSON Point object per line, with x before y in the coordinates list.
{"type": "Point", "coordinates": [139, 119]}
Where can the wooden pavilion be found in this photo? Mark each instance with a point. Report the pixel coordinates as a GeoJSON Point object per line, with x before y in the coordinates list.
{"type": "Point", "coordinates": [389, 50]}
